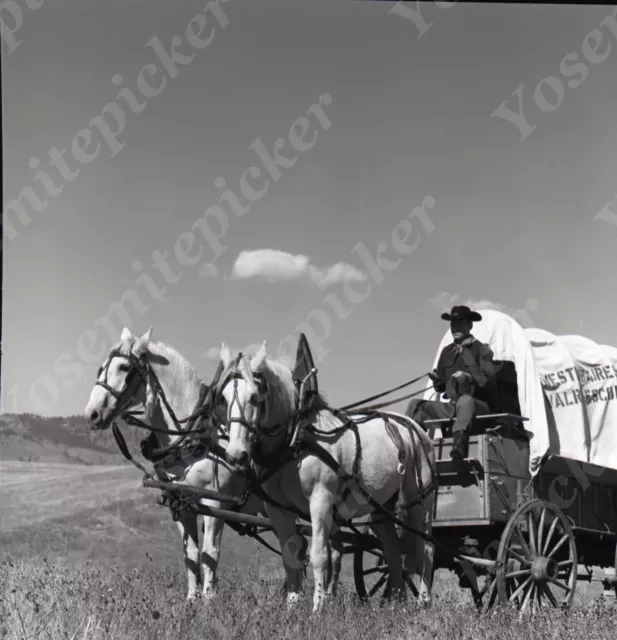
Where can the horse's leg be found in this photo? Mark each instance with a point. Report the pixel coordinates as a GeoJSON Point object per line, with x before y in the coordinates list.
{"type": "Point", "coordinates": [419, 552]}
{"type": "Point", "coordinates": [336, 560]}
{"type": "Point", "coordinates": [321, 507]}
{"type": "Point", "coordinates": [428, 566]}
{"type": "Point", "coordinates": [208, 474]}
{"type": "Point", "coordinates": [390, 543]}
{"type": "Point", "coordinates": [256, 507]}
{"type": "Point", "coordinates": [187, 525]}
{"type": "Point", "coordinates": [292, 549]}
{"type": "Point", "coordinates": [210, 550]}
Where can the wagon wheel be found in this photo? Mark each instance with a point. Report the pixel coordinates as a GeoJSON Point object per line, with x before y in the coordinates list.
{"type": "Point", "coordinates": [615, 575]}
{"type": "Point", "coordinates": [543, 569]}
{"type": "Point", "coordinates": [610, 578]}
{"type": "Point", "coordinates": [370, 572]}
{"type": "Point", "coordinates": [486, 594]}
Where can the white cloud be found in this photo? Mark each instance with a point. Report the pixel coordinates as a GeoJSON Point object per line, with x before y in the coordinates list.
{"type": "Point", "coordinates": [444, 301]}
{"type": "Point", "coordinates": [339, 272]}
{"type": "Point", "coordinates": [208, 270]}
{"type": "Point", "coordinates": [273, 265]}
{"type": "Point", "coordinates": [487, 304]}
{"type": "Point", "coordinates": [214, 353]}
{"type": "Point", "coordinates": [522, 314]}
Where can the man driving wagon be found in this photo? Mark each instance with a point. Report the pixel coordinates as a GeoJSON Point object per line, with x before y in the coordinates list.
{"type": "Point", "coordinates": [466, 373]}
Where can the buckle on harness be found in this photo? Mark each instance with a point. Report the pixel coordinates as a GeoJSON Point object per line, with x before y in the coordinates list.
{"type": "Point", "coordinates": [401, 462]}
{"type": "Point", "coordinates": [298, 424]}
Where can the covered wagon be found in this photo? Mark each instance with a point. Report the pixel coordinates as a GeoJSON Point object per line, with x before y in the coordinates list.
{"type": "Point", "coordinates": [536, 498]}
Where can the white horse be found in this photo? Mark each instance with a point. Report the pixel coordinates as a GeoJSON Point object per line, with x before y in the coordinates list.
{"type": "Point", "coordinates": [127, 383]}
{"type": "Point", "coordinates": [262, 403]}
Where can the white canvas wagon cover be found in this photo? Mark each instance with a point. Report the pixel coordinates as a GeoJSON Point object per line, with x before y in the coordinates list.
{"type": "Point", "coordinates": [567, 387]}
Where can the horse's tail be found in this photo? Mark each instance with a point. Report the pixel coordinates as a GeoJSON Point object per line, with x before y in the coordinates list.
{"type": "Point", "coordinates": [427, 449]}
{"type": "Point", "coordinates": [411, 425]}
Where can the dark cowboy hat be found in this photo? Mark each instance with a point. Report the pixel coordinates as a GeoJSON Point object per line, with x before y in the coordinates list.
{"type": "Point", "coordinates": [461, 312]}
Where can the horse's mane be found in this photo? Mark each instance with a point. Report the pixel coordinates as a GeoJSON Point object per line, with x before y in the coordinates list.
{"type": "Point", "coordinates": [174, 356]}
{"type": "Point", "coordinates": [163, 353]}
{"type": "Point", "coordinates": [283, 396]}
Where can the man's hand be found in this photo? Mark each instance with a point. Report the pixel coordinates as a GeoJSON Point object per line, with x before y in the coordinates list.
{"type": "Point", "coordinates": [434, 376]}
{"type": "Point", "coordinates": [461, 375]}
{"type": "Point", "coordinates": [461, 383]}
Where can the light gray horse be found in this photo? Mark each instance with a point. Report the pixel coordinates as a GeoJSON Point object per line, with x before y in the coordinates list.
{"type": "Point", "coordinates": [126, 383]}
{"type": "Point", "coordinates": [262, 402]}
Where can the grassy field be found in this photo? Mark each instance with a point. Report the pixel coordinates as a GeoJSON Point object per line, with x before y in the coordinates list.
{"type": "Point", "coordinates": [99, 513]}
{"type": "Point", "coordinates": [86, 553]}
{"type": "Point", "coordinates": [87, 600]}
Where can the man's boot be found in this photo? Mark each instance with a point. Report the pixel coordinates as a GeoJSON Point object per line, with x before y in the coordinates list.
{"type": "Point", "coordinates": [460, 447]}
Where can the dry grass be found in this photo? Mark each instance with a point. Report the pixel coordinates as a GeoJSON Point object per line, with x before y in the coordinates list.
{"type": "Point", "coordinates": [83, 513]}
{"type": "Point", "coordinates": [85, 554]}
{"type": "Point", "coordinates": [91, 601]}
{"type": "Point", "coordinates": [44, 488]}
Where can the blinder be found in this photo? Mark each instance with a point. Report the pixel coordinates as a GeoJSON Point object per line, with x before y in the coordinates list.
{"type": "Point", "coordinates": [262, 387]}
{"type": "Point", "coordinates": [136, 368]}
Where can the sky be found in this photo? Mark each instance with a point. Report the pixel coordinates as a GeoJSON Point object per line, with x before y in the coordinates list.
{"type": "Point", "coordinates": [403, 120]}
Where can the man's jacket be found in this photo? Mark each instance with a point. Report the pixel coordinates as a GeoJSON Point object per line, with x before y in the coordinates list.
{"type": "Point", "coordinates": [473, 357]}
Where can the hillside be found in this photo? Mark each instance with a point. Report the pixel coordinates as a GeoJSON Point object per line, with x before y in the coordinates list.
{"type": "Point", "coordinates": [66, 491]}
{"type": "Point", "coordinates": [99, 513]}
{"type": "Point", "coordinates": [29, 437]}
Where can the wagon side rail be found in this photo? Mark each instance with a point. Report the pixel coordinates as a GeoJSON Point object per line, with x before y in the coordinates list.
{"type": "Point", "coordinates": [505, 421]}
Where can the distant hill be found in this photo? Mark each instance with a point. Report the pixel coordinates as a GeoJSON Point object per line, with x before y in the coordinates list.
{"type": "Point", "coordinates": [99, 513]}
{"type": "Point", "coordinates": [34, 438]}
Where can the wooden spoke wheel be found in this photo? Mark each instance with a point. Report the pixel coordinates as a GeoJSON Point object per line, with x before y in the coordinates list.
{"type": "Point", "coordinates": [610, 578]}
{"type": "Point", "coordinates": [615, 574]}
{"type": "Point", "coordinates": [484, 589]}
{"type": "Point", "coordinates": [537, 561]}
{"type": "Point", "coordinates": [486, 594]}
{"type": "Point", "coordinates": [370, 572]}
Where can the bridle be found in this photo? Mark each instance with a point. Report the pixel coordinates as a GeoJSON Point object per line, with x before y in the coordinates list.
{"type": "Point", "coordinates": [256, 428]}
{"type": "Point", "coordinates": [137, 368]}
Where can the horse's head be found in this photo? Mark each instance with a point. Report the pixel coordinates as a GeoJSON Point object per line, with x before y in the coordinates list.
{"type": "Point", "coordinates": [122, 382]}
{"type": "Point", "coordinates": [260, 394]}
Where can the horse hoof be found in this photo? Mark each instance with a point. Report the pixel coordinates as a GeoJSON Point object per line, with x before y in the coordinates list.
{"type": "Point", "coordinates": [424, 602]}
{"type": "Point", "coordinates": [292, 600]}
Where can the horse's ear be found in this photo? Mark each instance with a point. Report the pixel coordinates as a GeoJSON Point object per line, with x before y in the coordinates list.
{"type": "Point", "coordinates": [142, 343]}
{"type": "Point", "coordinates": [259, 361]}
{"type": "Point", "coordinates": [225, 355]}
{"type": "Point", "coordinates": [126, 334]}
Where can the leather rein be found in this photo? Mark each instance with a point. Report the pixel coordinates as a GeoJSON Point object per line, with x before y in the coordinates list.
{"type": "Point", "coordinates": [141, 373]}
{"type": "Point", "coordinates": [295, 444]}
